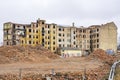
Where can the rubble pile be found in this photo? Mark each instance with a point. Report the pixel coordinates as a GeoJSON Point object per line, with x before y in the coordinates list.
{"type": "Point", "coordinates": [103, 56]}
{"type": "Point", "coordinates": [9, 77]}
{"type": "Point", "coordinates": [96, 74]}
{"type": "Point", "coordinates": [29, 53]}
{"type": "Point", "coordinates": [11, 54]}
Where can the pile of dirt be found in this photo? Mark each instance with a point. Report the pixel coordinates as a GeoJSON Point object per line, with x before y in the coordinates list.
{"type": "Point", "coordinates": [11, 54]}
{"type": "Point", "coordinates": [96, 74]}
{"type": "Point", "coordinates": [103, 56]}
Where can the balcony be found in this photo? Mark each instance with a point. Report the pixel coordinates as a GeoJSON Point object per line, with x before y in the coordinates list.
{"type": "Point", "coordinates": [6, 28]}
{"type": "Point", "coordinates": [21, 29]}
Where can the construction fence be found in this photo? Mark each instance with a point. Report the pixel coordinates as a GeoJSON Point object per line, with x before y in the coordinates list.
{"type": "Point", "coordinates": [49, 74]}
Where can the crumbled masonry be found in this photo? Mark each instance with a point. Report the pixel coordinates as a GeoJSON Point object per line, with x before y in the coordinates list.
{"type": "Point", "coordinates": [13, 54]}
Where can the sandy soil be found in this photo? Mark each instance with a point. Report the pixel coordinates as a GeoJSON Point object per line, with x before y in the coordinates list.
{"type": "Point", "coordinates": [59, 65]}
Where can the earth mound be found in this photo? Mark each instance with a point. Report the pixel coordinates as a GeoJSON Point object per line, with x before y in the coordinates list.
{"type": "Point", "coordinates": [11, 54]}
{"type": "Point", "coordinates": [103, 56]}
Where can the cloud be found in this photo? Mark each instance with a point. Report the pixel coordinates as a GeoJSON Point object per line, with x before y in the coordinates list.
{"type": "Point", "coordinates": [82, 12]}
{"type": "Point", "coordinates": [61, 8]}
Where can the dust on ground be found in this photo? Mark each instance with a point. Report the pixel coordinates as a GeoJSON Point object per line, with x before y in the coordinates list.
{"type": "Point", "coordinates": [29, 58]}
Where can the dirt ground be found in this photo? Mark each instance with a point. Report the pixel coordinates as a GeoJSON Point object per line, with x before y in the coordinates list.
{"type": "Point", "coordinates": [59, 65]}
{"type": "Point", "coordinates": [31, 62]}
{"type": "Point", "coordinates": [13, 58]}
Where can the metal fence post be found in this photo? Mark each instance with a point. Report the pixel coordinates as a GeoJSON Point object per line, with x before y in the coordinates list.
{"type": "Point", "coordinates": [84, 75]}
{"type": "Point", "coordinates": [20, 74]}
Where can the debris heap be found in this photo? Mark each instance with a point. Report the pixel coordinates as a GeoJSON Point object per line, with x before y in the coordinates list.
{"type": "Point", "coordinates": [11, 54]}
{"type": "Point", "coordinates": [103, 56]}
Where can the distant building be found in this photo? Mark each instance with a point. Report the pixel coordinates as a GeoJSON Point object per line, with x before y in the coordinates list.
{"type": "Point", "coordinates": [56, 37]}
{"type": "Point", "coordinates": [104, 37]}
{"type": "Point", "coordinates": [70, 52]}
{"type": "Point", "coordinates": [13, 33]}
{"type": "Point", "coordinates": [66, 36]}
{"type": "Point", "coordinates": [83, 38]}
{"type": "Point", "coordinates": [36, 33]}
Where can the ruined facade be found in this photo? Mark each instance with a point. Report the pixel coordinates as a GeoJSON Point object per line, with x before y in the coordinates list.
{"type": "Point", "coordinates": [54, 37]}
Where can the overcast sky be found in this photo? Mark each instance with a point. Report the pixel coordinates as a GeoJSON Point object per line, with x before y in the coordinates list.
{"type": "Point", "coordinates": [82, 12]}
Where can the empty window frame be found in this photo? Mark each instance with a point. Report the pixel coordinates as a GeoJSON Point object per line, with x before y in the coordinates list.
{"type": "Point", "coordinates": [97, 35]}
{"type": "Point", "coordinates": [97, 30]}
{"type": "Point", "coordinates": [59, 29]}
{"type": "Point", "coordinates": [53, 37]}
{"type": "Point", "coordinates": [59, 40]}
{"type": "Point", "coordinates": [84, 31]}
{"type": "Point", "coordinates": [53, 48]}
{"type": "Point", "coordinates": [97, 45]}
{"type": "Point", "coordinates": [48, 26]}
{"type": "Point", "coordinates": [43, 22]}
{"type": "Point", "coordinates": [29, 36]}
{"type": "Point", "coordinates": [29, 42]}
{"type": "Point", "coordinates": [84, 36]}
{"type": "Point", "coordinates": [54, 43]}
{"type": "Point", "coordinates": [53, 26]}
{"type": "Point", "coordinates": [36, 31]}
{"type": "Point", "coordinates": [29, 30]}
{"type": "Point", "coordinates": [59, 45]}
{"type": "Point", "coordinates": [59, 34]}
{"type": "Point", "coordinates": [48, 32]}
{"type": "Point", "coordinates": [97, 40]}
{"type": "Point", "coordinates": [36, 37]}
